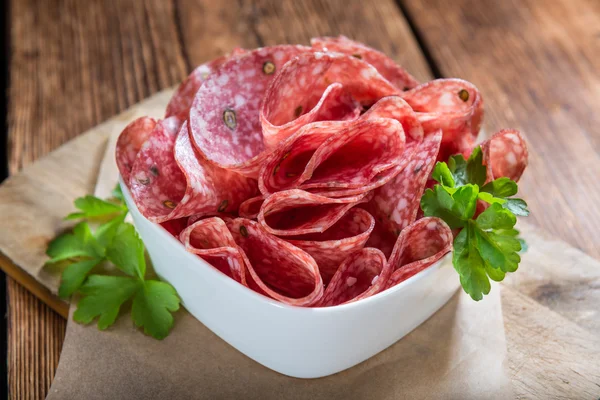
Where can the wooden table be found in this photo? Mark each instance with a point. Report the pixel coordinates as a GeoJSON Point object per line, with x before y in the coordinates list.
{"type": "Point", "coordinates": [74, 64]}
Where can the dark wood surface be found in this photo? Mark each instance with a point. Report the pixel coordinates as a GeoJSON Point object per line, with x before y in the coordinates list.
{"type": "Point", "coordinates": [74, 64]}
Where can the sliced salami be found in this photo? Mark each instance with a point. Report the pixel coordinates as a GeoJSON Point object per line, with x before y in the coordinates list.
{"type": "Point", "coordinates": [251, 207]}
{"type": "Point", "coordinates": [211, 240]}
{"type": "Point", "coordinates": [361, 275]}
{"type": "Point", "coordinates": [281, 270]}
{"type": "Point", "coordinates": [396, 203]}
{"type": "Point", "coordinates": [296, 212]}
{"type": "Point", "coordinates": [182, 99]}
{"type": "Point", "coordinates": [419, 246]}
{"type": "Point", "coordinates": [224, 118]}
{"type": "Point", "coordinates": [170, 181]}
{"type": "Point", "coordinates": [505, 154]}
{"type": "Point", "coordinates": [348, 235]}
{"type": "Point", "coordinates": [130, 142]}
{"type": "Point", "coordinates": [384, 65]}
{"type": "Point", "coordinates": [321, 156]}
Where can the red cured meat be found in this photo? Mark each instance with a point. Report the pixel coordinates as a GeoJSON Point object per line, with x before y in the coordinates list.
{"type": "Point", "coordinates": [419, 246]}
{"type": "Point", "coordinates": [175, 226]}
{"type": "Point", "coordinates": [302, 85]}
{"type": "Point", "coordinates": [348, 235]}
{"type": "Point", "coordinates": [324, 156]}
{"type": "Point", "coordinates": [280, 119]}
{"type": "Point", "coordinates": [224, 118]}
{"type": "Point", "coordinates": [170, 181]}
{"type": "Point", "coordinates": [361, 275]}
{"type": "Point", "coordinates": [505, 154]}
{"type": "Point", "coordinates": [453, 105]}
{"type": "Point", "coordinates": [183, 97]}
{"type": "Point", "coordinates": [130, 142]}
{"type": "Point", "coordinates": [396, 203]}
{"type": "Point", "coordinates": [279, 269]}
{"type": "Point", "coordinates": [296, 212]}
{"type": "Point", "coordinates": [211, 240]}
{"type": "Point", "coordinates": [251, 207]}
{"type": "Point", "coordinates": [385, 65]}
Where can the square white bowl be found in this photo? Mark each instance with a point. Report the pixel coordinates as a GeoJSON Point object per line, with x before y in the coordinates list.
{"type": "Point", "coordinates": [295, 341]}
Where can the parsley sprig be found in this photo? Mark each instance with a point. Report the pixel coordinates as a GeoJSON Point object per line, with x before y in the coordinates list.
{"type": "Point", "coordinates": [487, 246]}
{"type": "Point", "coordinates": [114, 242]}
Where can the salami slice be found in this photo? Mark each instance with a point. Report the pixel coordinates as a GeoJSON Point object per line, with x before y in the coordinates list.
{"type": "Point", "coordinates": [453, 105]}
{"type": "Point", "coordinates": [324, 156]}
{"type": "Point", "coordinates": [296, 212]}
{"type": "Point", "coordinates": [130, 142]}
{"type": "Point", "coordinates": [302, 83]}
{"type": "Point", "coordinates": [361, 275]}
{"type": "Point", "coordinates": [170, 181]}
{"type": "Point", "coordinates": [396, 203]}
{"type": "Point", "coordinates": [224, 118]}
{"type": "Point", "coordinates": [385, 65]}
{"type": "Point", "coordinates": [348, 235]}
{"type": "Point", "coordinates": [182, 99]}
{"type": "Point", "coordinates": [175, 226]}
{"type": "Point", "coordinates": [251, 207]}
{"type": "Point", "coordinates": [279, 269]}
{"type": "Point", "coordinates": [505, 154]}
{"type": "Point", "coordinates": [211, 240]}
{"type": "Point", "coordinates": [419, 246]}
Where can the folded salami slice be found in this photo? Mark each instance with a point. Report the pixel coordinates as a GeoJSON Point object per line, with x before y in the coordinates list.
{"type": "Point", "coordinates": [505, 154]}
{"type": "Point", "coordinates": [296, 212]}
{"type": "Point", "coordinates": [385, 65]}
{"type": "Point", "coordinates": [361, 275]}
{"type": "Point", "coordinates": [348, 235]}
{"type": "Point", "coordinates": [224, 118]}
{"type": "Point", "coordinates": [130, 142]}
{"type": "Point", "coordinates": [279, 269]}
{"type": "Point", "coordinates": [251, 207]}
{"type": "Point", "coordinates": [419, 246]}
{"type": "Point", "coordinates": [211, 240]}
{"type": "Point", "coordinates": [183, 97]}
{"type": "Point", "coordinates": [453, 105]}
{"type": "Point", "coordinates": [334, 155]}
{"type": "Point", "coordinates": [302, 86]}
{"type": "Point", "coordinates": [396, 203]}
{"type": "Point", "coordinates": [170, 181]}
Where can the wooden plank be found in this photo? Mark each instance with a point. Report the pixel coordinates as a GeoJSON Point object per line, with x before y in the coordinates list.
{"type": "Point", "coordinates": [536, 64]}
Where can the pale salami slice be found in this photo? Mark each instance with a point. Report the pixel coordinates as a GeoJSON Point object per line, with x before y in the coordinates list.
{"type": "Point", "coordinates": [348, 235]}
{"type": "Point", "coordinates": [296, 212]}
{"type": "Point", "coordinates": [361, 275]}
{"type": "Point", "coordinates": [321, 157]}
{"type": "Point", "coordinates": [396, 203]}
{"type": "Point", "coordinates": [130, 142]}
{"type": "Point", "coordinates": [419, 246]}
{"type": "Point", "coordinates": [279, 269]}
{"type": "Point", "coordinates": [211, 240]}
{"type": "Point", "coordinates": [505, 154]}
{"type": "Point", "coordinates": [280, 119]}
{"type": "Point", "coordinates": [224, 118]}
{"type": "Point", "coordinates": [453, 105]}
{"type": "Point", "coordinates": [182, 99]}
{"type": "Point", "coordinates": [170, 181]}
{"type": "Point", "coordinates": [251, 207]}
{"type": "Point", "coordinates": [385, 65]}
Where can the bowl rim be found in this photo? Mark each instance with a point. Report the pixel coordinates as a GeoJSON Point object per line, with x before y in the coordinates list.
{"type": "Point", "coordinates": [221, 277]}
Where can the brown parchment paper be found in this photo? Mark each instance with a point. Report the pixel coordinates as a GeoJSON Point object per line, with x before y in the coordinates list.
{"type": "Point", "coordinates": [459, 353]}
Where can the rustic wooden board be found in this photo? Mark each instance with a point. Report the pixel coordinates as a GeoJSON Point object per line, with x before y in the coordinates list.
{"type": "Point", "coordinates": [75, 64]}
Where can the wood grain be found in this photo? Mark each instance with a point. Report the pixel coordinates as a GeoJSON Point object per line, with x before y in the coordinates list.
{"type": "Point", "coordinates": [537, 65]}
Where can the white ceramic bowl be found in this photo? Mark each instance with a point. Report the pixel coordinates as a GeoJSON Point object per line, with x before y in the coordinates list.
{"type": "Point", "coordinates": [295, 341]}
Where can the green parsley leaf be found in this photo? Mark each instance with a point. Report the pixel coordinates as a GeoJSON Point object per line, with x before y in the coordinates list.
{"type": "Point", "coordinates": [469, 264]}
{"type": "Point", "coordinates": [117, 193]}
{"type": "Point", "coordinates": [458, 167]}
{"type": "Point", "coordinates": [442, 174]}
{"type": "Point", "coordinates": [455, 209]}
{"type": "Point", "coordinates": [107, 231]}
{"type": "Point", "coordinates": [501, 187]}
{"type": "Point", "coordinates": [152, 307]}
{"type": "Point", "coordinates": [126, 251]}
{"type": "Point", "coordinates": [80, 243]}
{"type": "Point", "coordinates": [517, 207]}
{"type": "Point", "coordinates": [74, 275]}
{"type": "Point", "coordinates": [103, 297]}
{"type": "Point", "coordinates": [93, 207]}
{"type": "Point", "coordinates": [476, 171]}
